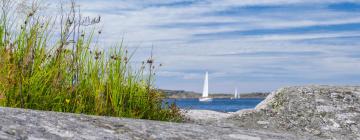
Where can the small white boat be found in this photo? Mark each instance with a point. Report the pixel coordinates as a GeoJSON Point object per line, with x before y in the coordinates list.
{"type": "Point", "coordinates": [236, 95]}
{"type": "Point", "coordinates": [205, 95]}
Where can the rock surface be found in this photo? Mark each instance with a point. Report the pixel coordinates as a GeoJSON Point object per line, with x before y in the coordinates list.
{"type": "Point", "coordinates": [308, 112]}
{"type": "Point", "coordinates": [323, 111]}
{"type": "Point", "coordinates": [205, 115]}
{"type": "Point", "coordinates": [30, 124]}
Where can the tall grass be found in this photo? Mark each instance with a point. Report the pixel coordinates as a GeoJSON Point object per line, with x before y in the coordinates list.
{"type": "Point", "coordinates": [71, 75]}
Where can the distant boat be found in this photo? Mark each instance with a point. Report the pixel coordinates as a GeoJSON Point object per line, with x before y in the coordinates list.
{"type": "Point", "coordinates": [236, 95]}
{"type": "Point", "coordinates": [205, 95]}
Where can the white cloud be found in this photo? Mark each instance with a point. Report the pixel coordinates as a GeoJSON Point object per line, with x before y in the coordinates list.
{"type": "Point", "coordinates": [138, 22]}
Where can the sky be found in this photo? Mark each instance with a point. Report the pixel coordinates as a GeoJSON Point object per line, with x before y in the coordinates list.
{"type": "Point", "coordinates": [252, 45]}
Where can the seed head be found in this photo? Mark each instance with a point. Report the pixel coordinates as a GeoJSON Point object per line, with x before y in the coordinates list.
{"type": "Point", "coordinates": [114, 57]}
{"type": "Point", "coordinates": [69, 22]}
{"type": "Point", "coordinates": [97, 54]}
{"type": "Point", "coordinates": [150, 61]}
{"type": "Point", "coordinates": [30, 14]}
{"type": "Point", "coordinates": [125, 59]}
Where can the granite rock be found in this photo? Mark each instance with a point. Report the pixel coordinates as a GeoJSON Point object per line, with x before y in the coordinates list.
{"type": "Point", "coordinates": [307, 112]}
{"type": "Point", "coordinates": [323, 111]}
{"type": "Point", "coordinates": [30, 124]}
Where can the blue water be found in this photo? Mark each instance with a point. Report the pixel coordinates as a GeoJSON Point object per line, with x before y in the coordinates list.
{"type": "Point", "coordinates": [222, 105]}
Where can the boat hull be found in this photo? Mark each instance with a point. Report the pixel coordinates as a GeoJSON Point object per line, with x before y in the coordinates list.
{"type": "Point", "coordinates": [205, 99]}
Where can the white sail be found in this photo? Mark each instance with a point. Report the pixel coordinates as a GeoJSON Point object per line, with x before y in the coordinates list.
{"type": "Point", "coordinates": [205, 95]}
{"type": "Point", "coordinates": [206, 86]}
{"type": "Point", "coordinates": [236, 95]}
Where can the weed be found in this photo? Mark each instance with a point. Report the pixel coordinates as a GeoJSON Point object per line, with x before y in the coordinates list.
{"type": "Point", "coordinates": [71, 75]}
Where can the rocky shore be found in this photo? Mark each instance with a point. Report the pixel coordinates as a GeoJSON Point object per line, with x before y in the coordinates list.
{"type": "Point", "coordinates": [308, 112]}
{"type": "Point", "coordinates": [30, 124]}
{"type": "Point", "coordinates": [329, 112]}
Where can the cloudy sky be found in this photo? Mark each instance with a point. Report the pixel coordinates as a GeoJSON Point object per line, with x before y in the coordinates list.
{"type": "Point", "coordinates": [254, 45]}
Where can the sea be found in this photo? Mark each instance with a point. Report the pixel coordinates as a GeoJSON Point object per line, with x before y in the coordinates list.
{"type": "Point", "coordinates": [221, 104]}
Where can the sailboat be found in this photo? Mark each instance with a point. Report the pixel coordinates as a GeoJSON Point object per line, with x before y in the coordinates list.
{"type": "Point", "coordinates": [205, 95]}
{"type": "Point", "coordinates": [236, 94]}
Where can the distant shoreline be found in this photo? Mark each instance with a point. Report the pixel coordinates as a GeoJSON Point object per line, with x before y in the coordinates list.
{"type": "Point", "coordinates": [215, 98]}
{"type": "Point", "coordinates": [181, 94]}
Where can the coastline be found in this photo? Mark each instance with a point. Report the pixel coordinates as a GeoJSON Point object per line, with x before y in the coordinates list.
{"type": "Point", "coordinates": [325, 112]}
{"type": "Point", "coordinates": [303, 112]}
{"type": "Point", "coordinates": [182, 94]}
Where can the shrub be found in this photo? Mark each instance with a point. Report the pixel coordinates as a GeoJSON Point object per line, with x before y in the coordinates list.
{"type": "Point", "coordinates": [44, 70]}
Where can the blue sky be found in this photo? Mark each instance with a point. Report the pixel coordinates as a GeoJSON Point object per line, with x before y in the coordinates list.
{"type": "Point", "coordinates": [252, 45]}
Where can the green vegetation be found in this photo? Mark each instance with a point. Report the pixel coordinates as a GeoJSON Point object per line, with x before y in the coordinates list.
{"type": "Point", "coordinates": [64, 71]}
{"type": "Point", "coordinates": [279, 101]}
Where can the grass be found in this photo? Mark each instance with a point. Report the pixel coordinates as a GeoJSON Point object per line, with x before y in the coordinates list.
{"type": "Point", "coordinates": [63, 71]}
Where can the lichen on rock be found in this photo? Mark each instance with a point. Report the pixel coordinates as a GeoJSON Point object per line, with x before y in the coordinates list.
{"type": "Point", "coordinates": [324, 111]}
